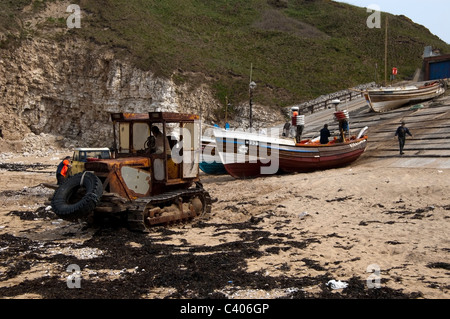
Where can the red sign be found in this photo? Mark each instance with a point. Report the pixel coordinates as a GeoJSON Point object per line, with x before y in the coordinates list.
{"type": "Point", "coordinates": [394, 71]}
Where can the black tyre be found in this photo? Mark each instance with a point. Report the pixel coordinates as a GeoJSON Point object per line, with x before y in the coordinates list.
{"type": "Point", "coordinates": [77, 196]}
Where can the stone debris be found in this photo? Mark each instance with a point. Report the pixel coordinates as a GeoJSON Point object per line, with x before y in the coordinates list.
{"type": "Point", "coordinates": [84, 253]}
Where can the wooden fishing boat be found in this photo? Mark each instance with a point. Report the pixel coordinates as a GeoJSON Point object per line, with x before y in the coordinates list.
{"type": "Point", "coordinates": [389, 98]}
{"type": "Point", "coordinates": [247, 155]}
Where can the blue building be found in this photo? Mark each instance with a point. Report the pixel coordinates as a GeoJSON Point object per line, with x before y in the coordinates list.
{"type": "Point", "coordinates": [437, 67]}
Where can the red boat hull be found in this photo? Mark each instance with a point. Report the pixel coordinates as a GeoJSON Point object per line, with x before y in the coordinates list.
{"type": "Point", "coordinates": [328, 159]}
{"type": "Point", "coordinates": [301, 158]}
{"type": "Point", "coordinates": [244, 170]}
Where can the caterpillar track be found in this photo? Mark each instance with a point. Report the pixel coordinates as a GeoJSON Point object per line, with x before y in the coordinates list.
{"type": "Point", "coordinates": [163, 209]}
{"type": "Point", "coordinates": [168, 208]}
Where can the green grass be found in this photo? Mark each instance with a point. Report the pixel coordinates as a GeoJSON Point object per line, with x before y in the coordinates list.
{"type": "Point", "coordinates": [10, 27]}
{"type": "Point", "coordinates": [299, 49]}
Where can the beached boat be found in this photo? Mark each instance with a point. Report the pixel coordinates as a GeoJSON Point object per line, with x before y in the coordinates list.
{"type": "Point", "coordinates": [210, 162]}
{"type": "Point", "coordinates": [388, 98]}
{"type": "Point", "coordinates": [247, 155]}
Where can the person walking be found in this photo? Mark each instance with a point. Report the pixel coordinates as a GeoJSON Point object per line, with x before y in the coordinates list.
{"type": "Point", "coordinates": [62, 170]}
{"type": "Point", "coordinates": [324, 134]}
{"type": "Point", "coordinates": [401, 134]}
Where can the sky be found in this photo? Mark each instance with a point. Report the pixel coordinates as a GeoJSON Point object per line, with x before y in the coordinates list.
{"type": "Point", "coordinates": [432, 14]}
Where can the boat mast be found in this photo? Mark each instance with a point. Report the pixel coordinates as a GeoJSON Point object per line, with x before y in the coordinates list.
{"type": "Point", "coordinates": [385, 52]}
{"type": "Point", "coordinates": [252, 86]}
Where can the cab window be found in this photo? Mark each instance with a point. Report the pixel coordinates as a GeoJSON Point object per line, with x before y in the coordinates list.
{"type": "Point", "coordinates": [124, 137]}
{"type": "Point", "coordinates": [104, 155]}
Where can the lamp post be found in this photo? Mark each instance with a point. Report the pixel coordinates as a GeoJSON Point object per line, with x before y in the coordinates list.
{"type": "Point", "coordinates": [252, 86]}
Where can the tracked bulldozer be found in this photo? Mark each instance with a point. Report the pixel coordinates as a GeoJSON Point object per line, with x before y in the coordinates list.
{"type": "Point", "coordinates": [151, 179]}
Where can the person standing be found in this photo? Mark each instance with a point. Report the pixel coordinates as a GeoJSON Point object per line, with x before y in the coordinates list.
{"type": "Point", "coordinates": [62, 171]}
{"type": "Point", "coordinates": [401, 134]}
{"type": "Point", "coordinates": [298, 124]}
{"type": "Point", "coordinates": [324, 134]}
{"type": "Point", "coordinates": [286, 129]}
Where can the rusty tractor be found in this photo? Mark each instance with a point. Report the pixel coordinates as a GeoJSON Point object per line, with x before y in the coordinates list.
{"type": "Point", "coordinates": [151, 179]}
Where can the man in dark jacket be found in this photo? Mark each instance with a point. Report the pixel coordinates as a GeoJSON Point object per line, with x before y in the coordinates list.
{"type": "Point", "coordinates": [401, 133]}
{"type": "Point", "coordinates": [324, 134]}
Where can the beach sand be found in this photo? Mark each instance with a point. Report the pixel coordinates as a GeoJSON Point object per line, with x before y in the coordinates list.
{"type": "Point", "coordinates": [382, 230]}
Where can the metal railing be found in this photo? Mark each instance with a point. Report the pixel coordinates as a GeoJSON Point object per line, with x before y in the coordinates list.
{"type": "Point", "coordinates": [325, 102]}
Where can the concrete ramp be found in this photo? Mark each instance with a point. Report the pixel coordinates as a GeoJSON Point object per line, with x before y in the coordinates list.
{"type": "Point", "coordinates": [406, 162]}
{"type": "Point", "coordinates": [429, 122]}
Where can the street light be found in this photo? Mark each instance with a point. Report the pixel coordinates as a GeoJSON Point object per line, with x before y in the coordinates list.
{"type": "Point", "coordinates": [252, 86]}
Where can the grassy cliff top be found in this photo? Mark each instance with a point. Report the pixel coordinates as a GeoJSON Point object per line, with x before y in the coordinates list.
{"type": "Point", "coordinates": [299, 49]}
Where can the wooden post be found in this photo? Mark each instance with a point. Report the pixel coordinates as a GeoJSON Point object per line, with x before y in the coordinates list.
{"type": "Point", "coordinates": [226, 109]}
{"type": "Point", "coordinates": [251, 96]}
{"type": "Point", "coordinates": [386, 52]}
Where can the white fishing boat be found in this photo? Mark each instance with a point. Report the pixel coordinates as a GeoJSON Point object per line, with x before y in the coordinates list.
{"type": "Point", "coordinates": [388, 98]}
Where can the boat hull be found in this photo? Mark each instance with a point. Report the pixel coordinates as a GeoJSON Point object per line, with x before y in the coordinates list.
{"type": "Point", "coordinates": [326, 157]}
{"type": "Point", "coordinates": [210, 162]}
{"type": "Point", "coordinates": [252, 158]}
{"type": "Point", "coordinates": [244, 170]}
{"type": "Point", "coordinates": [386, 99]}
{"type": "Point", "coordinates": [252, 163]}
{"type": "Point", "coordinates": [211, 167]}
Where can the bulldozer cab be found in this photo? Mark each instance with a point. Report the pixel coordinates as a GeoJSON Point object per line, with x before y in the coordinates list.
{"type": "Point", "coordinates": [170, 142]}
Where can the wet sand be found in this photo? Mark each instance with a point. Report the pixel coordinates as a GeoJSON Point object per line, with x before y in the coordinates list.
{"type": "Point", "coordinates": [283, 236]}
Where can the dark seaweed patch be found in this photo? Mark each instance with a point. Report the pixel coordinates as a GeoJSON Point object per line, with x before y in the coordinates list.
{"type": "Point", "coordinates": [191, 271]}
{"type": "Point", "coordinates": [441, 265]}
{"type": "Point", "coordinates": [31, 215]}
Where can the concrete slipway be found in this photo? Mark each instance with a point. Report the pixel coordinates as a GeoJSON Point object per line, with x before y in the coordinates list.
{"type": "Point", "coordinates": [429, 122]}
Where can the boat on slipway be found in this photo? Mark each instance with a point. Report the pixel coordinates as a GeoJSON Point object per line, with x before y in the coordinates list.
{"type": "Point", "coordinates": [251, 154]}
{"type": "Point", "coordinates": [388, 98]}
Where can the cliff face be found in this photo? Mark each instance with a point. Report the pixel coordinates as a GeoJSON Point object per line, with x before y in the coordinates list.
{"type": "Point", "coordinates": [69, 90]}
{"type": "Point", "coordinates": [65, 92]}
{"type": "Point", "coordinates": [57, 92]}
